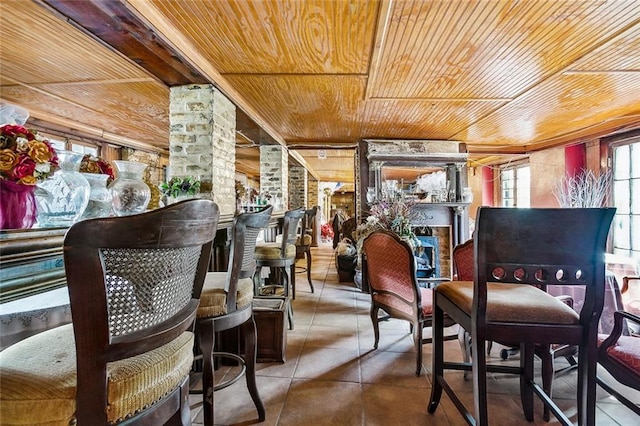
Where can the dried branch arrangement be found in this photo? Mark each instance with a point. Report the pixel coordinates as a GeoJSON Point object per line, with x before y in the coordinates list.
{"type": "Point", "coordinates": [583, 190]}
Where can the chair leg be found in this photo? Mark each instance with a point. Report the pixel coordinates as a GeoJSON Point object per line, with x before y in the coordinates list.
{"type": "Point", "coordinates": [307, 252]}
{"type": "Point", "coordinates": [465, 347]}
{"type": "Point", "coordinates": [479, 374]}
{"type": "Point", "coordinates": [526, 388]}
{"type": "Point", "coordinates": [376, 329]}
{"type": "Point", "coordinates": [249, 331]}
{"type": "Point", "coordinates": [417, 341]}
{"type": "Point", "coordinates": [437, 357]}
{"type": "Point", "coordinates": [207, 342]}
{"type": "Point", "coordinates": [292, 273]}
{"type": "Point", "coordinates": [548, 370]}
{"type": "Point", "coordinates": [587, 359]}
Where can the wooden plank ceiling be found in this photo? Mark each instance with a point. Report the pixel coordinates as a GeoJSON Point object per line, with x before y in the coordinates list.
{"type": "Point", "coordinates": [505, 77]}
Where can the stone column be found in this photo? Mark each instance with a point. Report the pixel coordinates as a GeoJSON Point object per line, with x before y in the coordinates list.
{"type": "Point", "coordinates": [298, 187]}
{"type": "Point", "coordinates": [202, 141]}
{"type": "Point", "coordinates": [313, 200]}
{"type": "Point", "coordinates": [312, 192]}
{"type": "Point", "coordinates": [274, 167]}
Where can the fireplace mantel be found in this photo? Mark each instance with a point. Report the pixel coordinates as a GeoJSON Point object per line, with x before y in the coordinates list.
{"type": "Point", "coordinates": [455, 215]}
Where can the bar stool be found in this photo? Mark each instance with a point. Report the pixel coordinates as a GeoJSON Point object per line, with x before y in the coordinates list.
{"type": "Point", "coordinates": [303, 245]}
{"type": "Point", "coordinates": [226, 303]}
{"type": "Point", "coordinates": [280, 257]}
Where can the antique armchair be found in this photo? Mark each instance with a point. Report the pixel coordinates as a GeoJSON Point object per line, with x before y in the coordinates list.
{"type": "Point", "coordinates": [389, 265]}
{"type": "Point", "coordinates": [620, 356]}
{"type": "Point", "coordinates": [134, 284]}
{"type": "Point", "coordinates": [225, 304]}
{"type": "Point", "coordinates": [517, 250]}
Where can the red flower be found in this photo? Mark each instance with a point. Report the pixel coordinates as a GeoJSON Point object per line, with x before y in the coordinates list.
{"type": "Point", "coordinates": [25, 158]}
{"type": "Point", "coordinates": [25, 167]}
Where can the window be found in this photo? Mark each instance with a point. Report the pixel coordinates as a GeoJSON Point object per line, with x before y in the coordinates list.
{"type": "Point", "coordinates": [626, 198]}
{"type": "Point", "coordinates": [515, 183]}
{"type": "Point", "coordinates": [57, 144]}
{"type": "Point", "coordinates": [84, 149]}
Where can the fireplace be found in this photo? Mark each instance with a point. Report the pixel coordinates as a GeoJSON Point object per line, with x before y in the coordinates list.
{"type": "Point", "coordinates": [428, 265]}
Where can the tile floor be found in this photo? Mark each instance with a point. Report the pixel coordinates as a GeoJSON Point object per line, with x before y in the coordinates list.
{"type": "Point", "coordinates": [332, 375]}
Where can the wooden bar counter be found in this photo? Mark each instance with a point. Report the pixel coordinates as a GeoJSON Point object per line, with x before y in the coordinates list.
{"type": "Point", "coordinates": [33, 293]}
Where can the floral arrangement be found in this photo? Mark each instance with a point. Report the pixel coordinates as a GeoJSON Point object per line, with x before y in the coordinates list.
{"type": "Point", "coordinates": [326, 231]}
{"type": "Point", "coordinates": [180, 186]}
{"type": "Point", "coordinates": [92, 164]}
{"type": "Point", "coordinates": [25, 157]}
{"type": "Point", "coordinates": [391, 212]}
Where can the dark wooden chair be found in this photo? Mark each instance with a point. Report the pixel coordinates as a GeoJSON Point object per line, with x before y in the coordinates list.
{"type": "Point", "coordinates": [226, 303]}
{"type": "Point", "coordinates": [280, 258]}
{"type": "Point", "coordinates": [517, 251]}
{"type": "Point", "coordinates": [134, 286]}
{"type": "Point", "coordinates": [303, 244]}
{"type": "Point", "coordinates": [389, 265]}
{"type": "Point", "coordinates": [619, 354]}
{"type": "Point", "coordinates": [463, 264]}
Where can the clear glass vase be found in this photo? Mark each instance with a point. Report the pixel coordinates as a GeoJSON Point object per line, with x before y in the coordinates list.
{"type": "Point", "coordinates": [99, 197]}
{"type": "Point", "coordinates": [130, 194]}
{"type": "Point", "coordinates": [62, 198]}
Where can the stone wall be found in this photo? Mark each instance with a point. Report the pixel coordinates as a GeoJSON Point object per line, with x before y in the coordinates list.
{"type": "Point", "coordinates": [202, 141]}
{"type": "Point", "coordinates": [274, 167]}
{"type": "Point", "coordinates": [313, 198]}
{"type": "Point", "coordinates": [298, 187]}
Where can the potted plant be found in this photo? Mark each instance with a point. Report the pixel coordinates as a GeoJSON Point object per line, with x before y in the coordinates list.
{"type": "Point", "coordinates": [179, 188]}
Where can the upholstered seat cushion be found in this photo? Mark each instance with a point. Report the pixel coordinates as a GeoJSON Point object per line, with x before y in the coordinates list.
{"type": "Point", "coordinates": [271, 251]}
{"type": "Point", "coordinates": [213, 300]}
{"type": "Point", "coordinates": [511, 302]}
{"type": "Point", "coordinates": [304, 241]}
{"type": "Point", "coordinates": [38, 378]}
{"type": "Point", "coordinates": [426, 297]}
{"type": "Point", "coordinates": [626, 353]}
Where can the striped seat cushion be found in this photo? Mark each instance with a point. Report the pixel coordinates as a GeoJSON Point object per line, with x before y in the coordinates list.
{"type": "Point", "coordinates": [271, 251]}
{"type": "Point", "coordinates": [38, 377]}
{"type": "Point", "coordinates": [213, 300]}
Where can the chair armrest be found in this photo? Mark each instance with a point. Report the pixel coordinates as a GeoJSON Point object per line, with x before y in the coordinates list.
{"type": "Point", "coordinates": [625, 283]}
{"type": "Point", "coordinates": [618, 318]}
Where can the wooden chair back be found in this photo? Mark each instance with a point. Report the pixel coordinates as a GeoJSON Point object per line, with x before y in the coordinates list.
{"type": "Point", "coordinates": [134, 285]}
{"type": "Point", "coordinates": [246, 227]}
{"type": "Point", "coordinates": [307, 223]}
{"type": "Point", "coordinates": [542, 247]}
{"type": "Point", "coordinates": [463, 261]}
{"type": "Point", "coordinates": [389, 265]}
{"type": "Point", "coordinates": [291, 223]}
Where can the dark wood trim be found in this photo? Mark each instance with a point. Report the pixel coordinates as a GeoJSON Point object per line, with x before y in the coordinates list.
{"type": "Point", "coordinates": [111, 23]}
